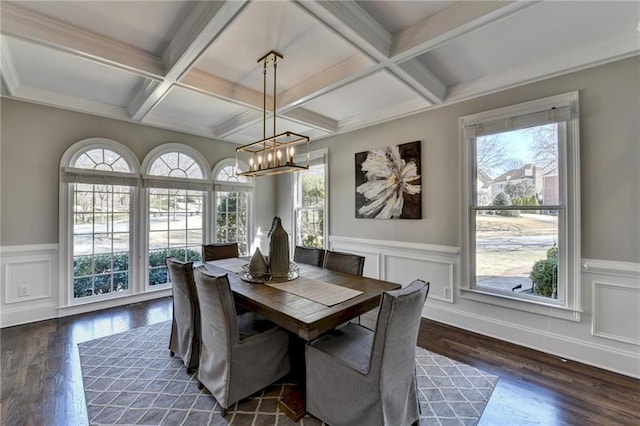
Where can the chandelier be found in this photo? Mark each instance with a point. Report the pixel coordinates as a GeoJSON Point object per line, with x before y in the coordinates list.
{"type": "Point", "coordinates": [274, 154]}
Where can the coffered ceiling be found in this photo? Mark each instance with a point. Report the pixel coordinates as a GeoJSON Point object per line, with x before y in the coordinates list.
{"type": "Point", "coordinates": [192, 66]}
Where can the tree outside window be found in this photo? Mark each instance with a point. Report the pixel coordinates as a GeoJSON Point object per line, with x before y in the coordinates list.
{"type": "Point", "coordinates": [310, 207]}
{"type": "Point", "coordinates": [232, 206]}
{"type": "Point", "coordinates": [521, 191]}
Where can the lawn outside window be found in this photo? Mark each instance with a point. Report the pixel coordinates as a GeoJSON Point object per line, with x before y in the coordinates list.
{"type": "Point", "coordinates": [521, 246]}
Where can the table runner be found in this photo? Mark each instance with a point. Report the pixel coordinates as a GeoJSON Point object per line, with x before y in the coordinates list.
{"type": "Point", "coordinates": [318, 291]}
{"type": "Point", "coordinates": [232, 264]}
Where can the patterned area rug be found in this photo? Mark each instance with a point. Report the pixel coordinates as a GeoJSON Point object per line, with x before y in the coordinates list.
{"type": "Point", "coordinates": [129, 378]}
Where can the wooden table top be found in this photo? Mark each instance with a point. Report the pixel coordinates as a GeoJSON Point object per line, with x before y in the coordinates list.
{"type": "Point", "coordinates": [304, 317]}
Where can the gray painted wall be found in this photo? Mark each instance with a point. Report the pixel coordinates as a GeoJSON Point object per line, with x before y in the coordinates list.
{"type": "Point", "coordinates": [610, 163]}
{"type": "Point", "coordinates": [33, 139]}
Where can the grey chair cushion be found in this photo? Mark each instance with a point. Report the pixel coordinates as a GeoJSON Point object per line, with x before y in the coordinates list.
{"type": "Point", "coordinates": [344, 262]}
{"type": "Point", "coordinates": [185, 327]}
{"type": "Point", "coordinates": [232, 366]}
{"type": "Point", "coordinates": [359, 377]}
{"type": "Point", "coordinates": [309, 255]}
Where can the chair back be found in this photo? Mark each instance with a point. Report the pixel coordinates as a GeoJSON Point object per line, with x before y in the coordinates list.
{"type": "Point", "coordinates": [185, 335]}
{"type": "Point", "coordinates": [344, 262]}
{"type": "Point", "coordinates": [217, 310]}
{"type": "Point", "coordinates": [396, 334]}
{"type": "Point", "coordinates": [309, 255]}
{"type": "Point", "coordinates": [219, 251]}
{"type": "Point", "coordinates": [230, 367]}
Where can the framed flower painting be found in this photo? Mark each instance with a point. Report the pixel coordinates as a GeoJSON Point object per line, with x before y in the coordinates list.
{"type": "Point", "coordinates": [389, 183]}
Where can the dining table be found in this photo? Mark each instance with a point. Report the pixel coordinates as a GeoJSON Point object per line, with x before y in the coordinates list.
{"type": "Point", "coordinates": [308, 303]}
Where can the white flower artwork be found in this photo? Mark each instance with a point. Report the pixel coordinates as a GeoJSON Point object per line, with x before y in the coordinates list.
{"type": "Point", "coordinates": [388, 182]}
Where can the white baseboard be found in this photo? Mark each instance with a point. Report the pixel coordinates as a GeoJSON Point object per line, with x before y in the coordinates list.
{"type": "Point", "coordinates": [112, 302]}
{"type": "Point", "coordinates": [25, 314]}
{"type": "Point", "coordinates": [562, 346]}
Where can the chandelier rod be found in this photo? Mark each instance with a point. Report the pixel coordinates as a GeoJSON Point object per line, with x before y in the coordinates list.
{"type": "Point", "coordinates": [275, 69]}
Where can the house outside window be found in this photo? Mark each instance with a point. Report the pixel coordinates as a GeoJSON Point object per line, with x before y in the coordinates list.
{"type": "Point", "coordinates": [176, 182]}
{"type": "Point", "coordinates": [521, 198]}
{"type": "Point", "coordinates": [98, 191]}
{"type": "Point", "coordinates": [232, 205]}
{"type": "Point", "coordinates": [310, 189]}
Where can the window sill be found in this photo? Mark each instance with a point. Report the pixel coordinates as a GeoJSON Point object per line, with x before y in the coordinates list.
{"type": "Point", "coordinates": [526, 305]}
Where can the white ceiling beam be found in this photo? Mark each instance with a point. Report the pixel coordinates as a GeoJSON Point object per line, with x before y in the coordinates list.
{"type": "Point", "coordinates": [72, 103]}
{"type": "Point", "coordinates": [576, 60]}
{"type": "Point", "coordinates": [353, 23]}
{"type": "Point", "coordinates": [421, 79]}
{"type": "Point", "coordinates": [349, 70]}
{"type": "Point", "coordinates": [206, 21]}
{"type": "Point", "coordinates": [449, 24]}
{"type": "Point", "coordinates": [147, 96]}
{"type": "Point", "coordinates": [238, 123]}
{"type": "Point", "coordinates": [381, 116]}
{"type": "Point", "coordinates": [210, 84]}
{"type": "Point", "coordinates": [8, 69]}
{"type": "Point", "coordinates": [33, 27]}
{"type": "Point", "coordinates": [312, 119]}
{"type": "Point", "coordinates": [356, 26]}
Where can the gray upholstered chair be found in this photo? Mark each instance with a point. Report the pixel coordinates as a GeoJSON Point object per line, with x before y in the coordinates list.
{"type": "Point", "coordinates": [359, 377]}
{"type": "Point", "coordinates": [185, 327]}
{"type": "Point", "coordinates": [344, 262]}
{"type": "Point", "coordinates": [240, 354]}
{"type": "Point", "coordinates": [309, 255]}
{"type": "Point", "coordinates": [219, 251]}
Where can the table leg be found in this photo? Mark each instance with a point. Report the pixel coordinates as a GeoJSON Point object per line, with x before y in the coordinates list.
{"type": "Point", "coordinates": [293, 403]}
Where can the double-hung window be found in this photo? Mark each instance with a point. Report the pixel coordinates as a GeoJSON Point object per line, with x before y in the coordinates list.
{"type": "Point", "coordinates": [176, 182]}
{"type": "Point", "coordinates": [233, 198]}
{"type": "Point", "coordinates": [310, 189]}
{"type": "Point", "coordinates": [521, 205]}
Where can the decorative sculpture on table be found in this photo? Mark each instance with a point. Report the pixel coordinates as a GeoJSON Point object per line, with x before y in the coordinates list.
{"type": "Point", "coordinates": [258, 266]}
{"type": "Point", "coordinates": [278, 249]}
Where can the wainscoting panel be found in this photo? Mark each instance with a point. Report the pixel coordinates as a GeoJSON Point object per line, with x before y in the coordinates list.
{"type": "Point", "coordinates": [29, 281]}
{"type": "Point", "coordinates": [438, 274]}
{"type": "Point", "coordinates": [621, 323]}
{"type": "Point", "coordinates": [403, 262]}
{"type": "Point", "coordinates": [615, 299]}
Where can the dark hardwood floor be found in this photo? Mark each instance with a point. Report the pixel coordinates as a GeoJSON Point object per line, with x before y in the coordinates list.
{"type": "Point", "coordinates": [41, 381]}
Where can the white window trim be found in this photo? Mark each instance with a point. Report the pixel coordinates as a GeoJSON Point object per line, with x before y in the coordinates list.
{"type": "Point", "coordinates": [570, 308]}
{"type": "Point", "coordinates": [65, 220]}
{"type": "Point", "coordinates": [227, 186]}
{"type": "Point", "coordinates": [313, 157]}
{"type": "Point", "coordinates": [183, 183]}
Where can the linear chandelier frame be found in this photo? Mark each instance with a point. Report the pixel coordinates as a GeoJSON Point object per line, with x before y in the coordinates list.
{"type": "Point", "coordinates": [265, 157]}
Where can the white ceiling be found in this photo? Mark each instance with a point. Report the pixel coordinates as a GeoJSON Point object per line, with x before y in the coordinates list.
{"type": "Point", "coordinates": [192, 66]}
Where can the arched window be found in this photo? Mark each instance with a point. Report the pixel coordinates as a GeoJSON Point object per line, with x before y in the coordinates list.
{"type": "Point", "coordinates": [176, 180]}
{"type": "Point", "coordinates": [233, 204]}
{"type": "Point", "coordinates": [98, 186]}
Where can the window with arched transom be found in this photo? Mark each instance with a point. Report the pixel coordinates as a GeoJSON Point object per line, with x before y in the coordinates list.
{"type": "Point", "coordinates": [233, 201]}
{"type": "Point", "coordinates": [99, 179]}
{"type": "Point", "coordinates": [176, 180]}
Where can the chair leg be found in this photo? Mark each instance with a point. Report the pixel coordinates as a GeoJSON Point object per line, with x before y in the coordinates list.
{"type": "Point", "coordinates": [223, 412]}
